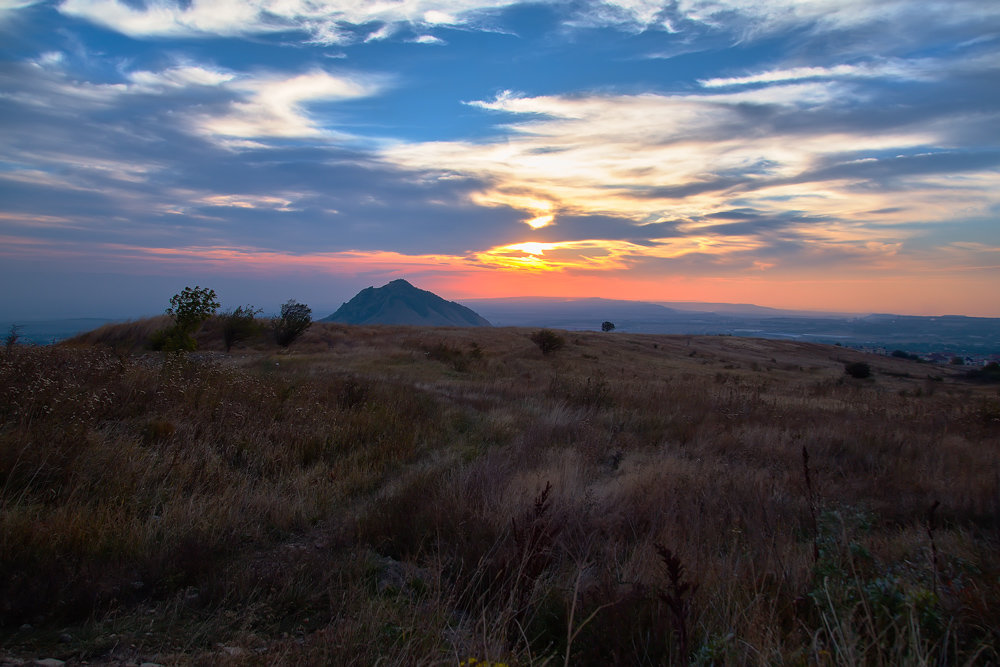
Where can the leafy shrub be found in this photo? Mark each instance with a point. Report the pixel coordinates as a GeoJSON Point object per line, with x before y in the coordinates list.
{"type": "Point", "coordinates": [189, 308]}
{"type": "Point", "coordinates": [172, 339]}
{"type": "Point", "coordinates": [858, 369]}
{"type": "Point", "coordinates": [295, 318]}
{"type": "Point", "coordinates": [607, 326]}
{"type": "Point", "coordinates": [548, 341]}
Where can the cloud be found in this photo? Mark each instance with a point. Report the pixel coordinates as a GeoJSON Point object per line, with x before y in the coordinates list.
{"type": "Point", "coordinates": [212, 101]}
{"type": "Point", "coordinates": [161, 156]}
{"type": "Point", "coordinates": [179, 77]}
{"type": "Point", "coordinates": [620, 153]}
{"type": "Point", "coordinates": [9, 7]}
{"type": "Point", "coordinates": [794, 167]}
{"type": "Point", "coordinates": [429, 39]}
{"type": "Point", "coordinates": [325, 21]}
{"type": "Point", "coordinates": [260, 105]}
{"type": "Point", "coordinates": [760, 17]}
{"type": "Point", "coordinates": [896, 69]}
{"type": "Point", "coordinates": [335, 21]}
{"type": "Point", "coordinates": [273, 106]}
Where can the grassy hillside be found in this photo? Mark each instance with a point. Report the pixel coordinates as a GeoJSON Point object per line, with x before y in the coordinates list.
{"type": "Point", "coordinates": [437, 496]}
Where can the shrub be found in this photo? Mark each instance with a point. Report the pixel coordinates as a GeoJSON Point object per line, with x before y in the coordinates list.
{"type": "Point", "coordinates": [858, 369]}
{"type": "Point", "coordinates": [989, 373]}
{"type": "Point", "coordinates": [607, 326]}
{"type": "Point", "coordinates": [294, 320]}
{"type": "Point", "coordinates": [189, 308]}
{"type": "Point", "coordinates": [13, 335]}
{"type": "Point", "coordinates": [238, 325]}
{"type": "Point", "coordinates": [172, 339]}
{"type": "Point", "coordinates": [548, 341]}
{"type": "Point", "coordinates": [449, 355]}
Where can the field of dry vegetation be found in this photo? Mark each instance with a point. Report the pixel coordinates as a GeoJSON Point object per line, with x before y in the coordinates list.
{"type": "Point", "coordinates": [393, 495]}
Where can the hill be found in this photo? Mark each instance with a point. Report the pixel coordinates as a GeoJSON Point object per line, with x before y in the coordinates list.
{"type": "Point", "coordinates": [399, 302]}
{"type": "Point", "coordinates": [417, 495]}
{"type": "Point", "coordinates": [946, 334]}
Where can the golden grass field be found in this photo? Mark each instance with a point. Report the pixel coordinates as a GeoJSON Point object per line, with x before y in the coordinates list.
{"type": "Point", "coordinates": [419, 496]}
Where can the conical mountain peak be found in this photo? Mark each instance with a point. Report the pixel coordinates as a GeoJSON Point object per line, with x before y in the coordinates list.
{"type": "Point", "coordinates": [399, 302]}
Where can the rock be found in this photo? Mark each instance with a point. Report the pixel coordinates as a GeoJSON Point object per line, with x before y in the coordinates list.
{"type": "Point", "coordinates": [65, 638]}
{"type": "Point", "coordinates": [48, 662]}
{"type": "Point", "coordinates": [26, 628]}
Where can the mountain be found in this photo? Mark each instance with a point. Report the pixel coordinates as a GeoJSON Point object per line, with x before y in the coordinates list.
{"type": "Point", "coordinates": [749, 309]}
{"type": "Point", "coordinates": [948, 334]}
{"type": "Point", "coordinates": [567, 313]}
{"type": "Point", "coordinates": [399, 302]}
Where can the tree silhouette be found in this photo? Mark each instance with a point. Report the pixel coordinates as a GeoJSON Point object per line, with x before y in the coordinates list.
{"type": "Point", "coordinates": [294, 320]}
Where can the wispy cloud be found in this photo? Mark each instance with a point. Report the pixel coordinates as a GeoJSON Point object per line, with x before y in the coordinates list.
{"type": "Point", "coordinates": [889, 70]}
{"type": "Point", "coordinates": [332, 21]}
{"type": "Point", "coordinates": [273, 106]}
{"type": "Point", "coordinates": [757, 17]}
{"type": "Point", "coordinates": [213, 101]}
{"type": "Point", "coordinates": [325, 21]}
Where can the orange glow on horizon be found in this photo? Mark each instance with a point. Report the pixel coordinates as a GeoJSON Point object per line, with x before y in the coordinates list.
{"type": "Point", "coordinates": [568, 270]}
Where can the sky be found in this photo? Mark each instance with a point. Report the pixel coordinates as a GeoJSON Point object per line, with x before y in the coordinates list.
{"type": "Point", "coordinates": [837, 155]}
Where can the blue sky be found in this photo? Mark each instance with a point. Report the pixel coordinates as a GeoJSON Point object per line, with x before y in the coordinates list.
{"type": "Point", "coordinates": [836, 155]}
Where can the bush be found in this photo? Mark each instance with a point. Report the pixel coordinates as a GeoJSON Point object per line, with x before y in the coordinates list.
{"type": "Point", "coordinates": [13, 335]}
{"type": "Point", "coordinates": [172, 339]}
{"type": "Point", "coordinates": [989, 373]}
{"type": "Point", "coordinates": [858, 369]}
{"type": "Point", "coordinates": [607, 326]}
{"type": "Point", "coordinates": [238, 325]}
{"type": "Point", "coordinates": [548, 341]}
{"type": "Point", "coordinates": [294, 320]}
{"type": "Point", "coordinates": [189, 309]}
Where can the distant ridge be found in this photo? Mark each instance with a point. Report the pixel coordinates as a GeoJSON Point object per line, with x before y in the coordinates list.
{"type": "Point", "coordinates": [399, 302]}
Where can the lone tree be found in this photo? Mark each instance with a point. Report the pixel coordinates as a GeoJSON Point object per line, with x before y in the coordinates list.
{"type": "Point", "coordinates": [607, 326]}
{"type": "Point", "coordinates": [192, 307]}
{"type": "Point", "coordinates": [189, 309]}
{"type": "Point", "coordinates": [294, 320]}
{"type": "Point", "coordinates": [239, 324]}
{"type": "Point", "coordinates": [548, 341]}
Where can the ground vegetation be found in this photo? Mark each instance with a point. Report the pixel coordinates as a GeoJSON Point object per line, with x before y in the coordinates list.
{"type": "Point", "coordinates": [403, 495]}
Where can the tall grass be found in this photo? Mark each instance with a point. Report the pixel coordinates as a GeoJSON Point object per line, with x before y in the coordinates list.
{"type": "Point", "coordinates": [428, 496]}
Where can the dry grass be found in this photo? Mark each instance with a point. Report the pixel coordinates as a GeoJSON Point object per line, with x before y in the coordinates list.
{"type": "Point", "coordinates": [425, 496]}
